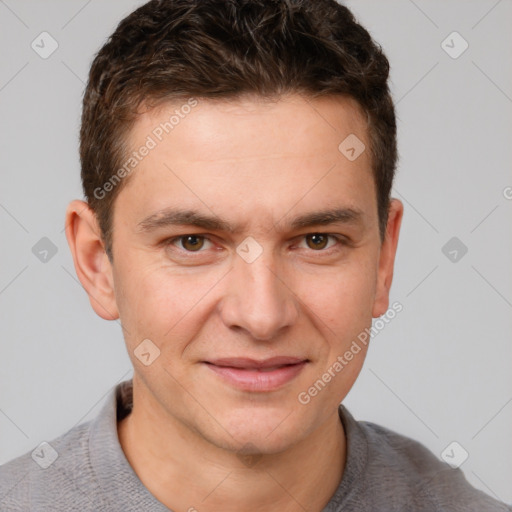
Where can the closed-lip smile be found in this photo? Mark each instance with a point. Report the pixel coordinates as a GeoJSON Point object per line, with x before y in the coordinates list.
{"type": "Point", "coordinates": [250, 374]}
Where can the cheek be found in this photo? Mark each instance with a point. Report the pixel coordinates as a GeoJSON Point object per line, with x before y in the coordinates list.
{"type": "Point", "coordinates": [341, 299]}
{"type": "Point", "coordinates": [158, 304]}
{"type": "Point", "coordinates": [340, 307]}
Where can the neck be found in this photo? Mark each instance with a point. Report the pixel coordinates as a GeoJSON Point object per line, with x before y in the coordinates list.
{"type": "Point", "coordinates": [186, 472]}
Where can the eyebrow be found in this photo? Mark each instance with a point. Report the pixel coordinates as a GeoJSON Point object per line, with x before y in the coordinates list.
{"type": "Point", "coordinates": [178, 217]}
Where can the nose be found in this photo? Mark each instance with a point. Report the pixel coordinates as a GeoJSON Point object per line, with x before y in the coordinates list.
{"type": "Point", "coordinates": [258, 300]}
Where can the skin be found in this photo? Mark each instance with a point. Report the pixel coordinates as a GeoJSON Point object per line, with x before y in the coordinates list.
{"type": "Point", "coordinates": [257, 165]}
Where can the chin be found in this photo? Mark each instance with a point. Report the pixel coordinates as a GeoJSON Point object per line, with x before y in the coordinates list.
{"type": "Point", "coordinates": [252, 444]}
{"type": "Point", "coordinates": [264, 431]}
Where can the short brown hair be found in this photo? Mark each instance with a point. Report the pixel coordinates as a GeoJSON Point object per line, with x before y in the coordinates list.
{"type": "Point", "coordinates": [222, 49]}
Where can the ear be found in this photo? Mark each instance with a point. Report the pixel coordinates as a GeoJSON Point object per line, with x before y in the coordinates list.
{"type": "Point", "coordinates": [387, 258]}
{"type": "Point", "coordinates": [92, 265]}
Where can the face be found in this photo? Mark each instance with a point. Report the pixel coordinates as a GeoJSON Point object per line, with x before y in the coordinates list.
{"type": "Point", "coordinates": [243, 236]}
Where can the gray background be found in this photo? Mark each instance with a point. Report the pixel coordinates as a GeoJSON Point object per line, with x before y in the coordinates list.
{"type": "Point", "coordinates": [439, 372]}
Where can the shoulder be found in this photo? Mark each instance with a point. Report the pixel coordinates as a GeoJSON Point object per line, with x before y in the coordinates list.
{"type": "Point", "coordinates": [55, 475]}
{"type": "Point", "coordinates": [410, 469]}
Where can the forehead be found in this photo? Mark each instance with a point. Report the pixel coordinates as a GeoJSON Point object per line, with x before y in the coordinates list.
{"type": "Point", "coordinates": [250, 150]}
{"type": "Point", "coordinates": [251, 127]}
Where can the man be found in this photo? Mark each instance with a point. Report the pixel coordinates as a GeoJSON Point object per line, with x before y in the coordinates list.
{"type": "Point", "coordinates": [237, 161]}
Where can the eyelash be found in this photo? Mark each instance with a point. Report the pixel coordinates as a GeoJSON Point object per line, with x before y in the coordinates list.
{"type": "Point", "coordinates": [340, 241]}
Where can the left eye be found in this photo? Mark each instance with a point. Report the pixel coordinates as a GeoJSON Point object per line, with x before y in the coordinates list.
{"type": "Point", "coordinates": [319, 241]}
{"type": "Point", "coordinates": [191, 243]}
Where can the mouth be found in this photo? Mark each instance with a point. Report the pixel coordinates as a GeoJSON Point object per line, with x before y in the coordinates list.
{"type": "Point", "coordinates": [252, 375]}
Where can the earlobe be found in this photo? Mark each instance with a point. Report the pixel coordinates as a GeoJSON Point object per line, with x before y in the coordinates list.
{"type": "Point", "coordinates": [387, 258]}
{"type": "Point", "coordinates": [92, 265]}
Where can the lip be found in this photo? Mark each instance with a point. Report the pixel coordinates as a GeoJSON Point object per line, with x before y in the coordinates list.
{"type": "Point", "coordinates": [253, 375]}
{"type": "Point", "coordinates": [248, 363]}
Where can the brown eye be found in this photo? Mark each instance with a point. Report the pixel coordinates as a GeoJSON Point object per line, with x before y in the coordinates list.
{"type": "Point", "coordinates": [192, 242]}
{"type": "Point", "coordinates": [317, 241]}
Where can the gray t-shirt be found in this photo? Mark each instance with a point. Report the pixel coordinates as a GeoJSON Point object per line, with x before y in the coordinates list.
{"type": "Point", "coordinates": [384, 472]}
